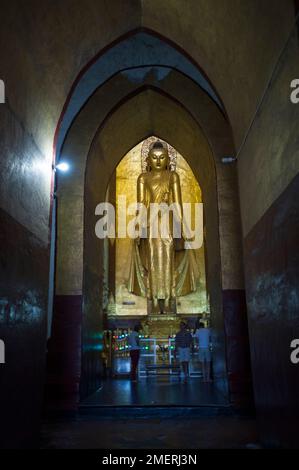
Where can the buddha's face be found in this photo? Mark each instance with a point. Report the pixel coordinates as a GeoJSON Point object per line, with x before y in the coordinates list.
{"type": "Point", "coordinates": [158, 159]}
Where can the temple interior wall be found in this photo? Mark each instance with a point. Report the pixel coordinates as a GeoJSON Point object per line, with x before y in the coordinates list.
{"type": "Point", "coordinates": [43, 50]}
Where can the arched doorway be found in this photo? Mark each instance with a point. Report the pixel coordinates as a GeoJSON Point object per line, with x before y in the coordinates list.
{"type": "Point", "coordinates": [179, 107]}
{"type": "Point", "coordinates": [159, 372]}
{"type": "Point", "coordinates": [171, 123]}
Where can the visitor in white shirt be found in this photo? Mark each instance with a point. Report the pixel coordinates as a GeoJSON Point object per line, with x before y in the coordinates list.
{"type": "Point", "coordinates": [203, 338]}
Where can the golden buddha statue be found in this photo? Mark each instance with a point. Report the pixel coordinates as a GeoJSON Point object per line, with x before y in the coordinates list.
{"type": "Point", "coordinates": [160, 268]}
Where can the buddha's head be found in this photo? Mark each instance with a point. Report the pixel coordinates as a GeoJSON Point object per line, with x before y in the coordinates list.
{"type": "Point", "coordinates": [158, 158]}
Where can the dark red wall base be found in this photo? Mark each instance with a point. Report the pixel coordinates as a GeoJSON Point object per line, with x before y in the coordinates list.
{"type": "Point", "coordinates": [237, 348]}
{"type": "Point", "coordinates": [24, 267]}
{"type": "Point", "coordinates": [64, 354]}
{"type": "Point", "coordinates": [272, 281]}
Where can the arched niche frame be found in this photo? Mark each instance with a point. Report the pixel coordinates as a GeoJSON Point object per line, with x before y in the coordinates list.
{"type": "Point", "coordinates": [187, 97]}
{"type": "Point", "coordinates": [105, 100]}
{"type": "Point", "coordinates": [131, 55]}
{"type": "Point", "coordinates": [160, 116]}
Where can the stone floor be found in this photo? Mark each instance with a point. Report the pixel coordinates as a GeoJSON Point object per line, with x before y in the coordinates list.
{"type": "Point", "coordinates": [163, 391]}
{"type": "Point", "coordinates": [155, 413]}
{"type": "Point", "coordinates": [221, 432]}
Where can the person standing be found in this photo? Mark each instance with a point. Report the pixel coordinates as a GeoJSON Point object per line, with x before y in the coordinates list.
{"type": "Point", "coordinates": [203, 339]}
{"type": "Point", "coordinates": [183, 343]}
{"type": "Point", "coordinates": [134, 348]}
{"type": "Point", "coordinates": [198, 320]}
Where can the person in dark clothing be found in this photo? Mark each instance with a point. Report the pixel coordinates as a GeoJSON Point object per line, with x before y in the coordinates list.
{"type": "Point", "coordinates": [134, 348]}
{"type": "Point", "coordinates": [183, 343]}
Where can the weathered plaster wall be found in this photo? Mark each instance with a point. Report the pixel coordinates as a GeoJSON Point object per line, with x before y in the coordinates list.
{"type": "Point", "coordinates": [24, 261]}
{"type": "Point", "coordinates": [269, 159]}
{"type": "Point", "coordinates": [236, 67]}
